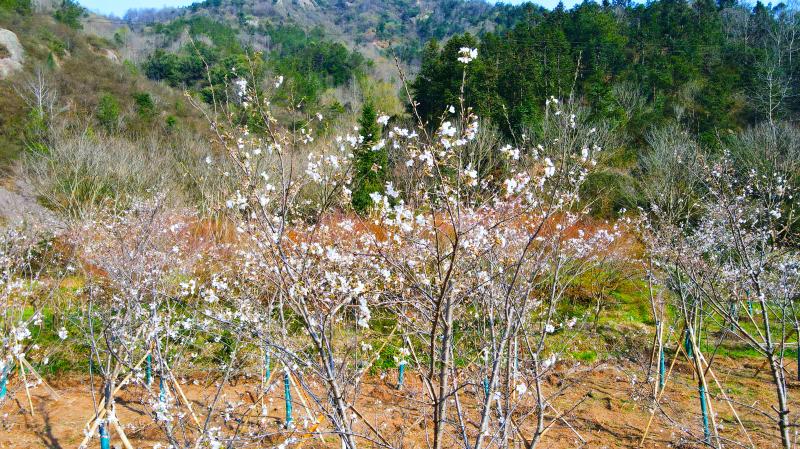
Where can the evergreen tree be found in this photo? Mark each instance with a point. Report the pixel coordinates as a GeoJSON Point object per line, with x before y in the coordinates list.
{"type": "Point", "coordinates": [70, 13]}
{"type": "Point", "coordinates": [427, 91]}
{"type": "Point", "coordinates": [145, 107]}
{"type": "Point", "coordinates": [438, 84]}
{"type": "Point", "coordinates": [108, 112]}
{"type": "Point", "coordinates": [371, 161]}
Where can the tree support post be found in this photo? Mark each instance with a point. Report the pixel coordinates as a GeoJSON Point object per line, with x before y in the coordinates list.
{"type": "Point", "coordinates": [401, 371]}
{"type": "Point", "coordinates": [704, 412]}
{"type": "Point", "coordinates": [287, 395]}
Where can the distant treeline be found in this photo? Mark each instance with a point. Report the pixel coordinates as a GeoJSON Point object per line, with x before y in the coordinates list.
{"type": "Point", "coordinates": [306, 59]}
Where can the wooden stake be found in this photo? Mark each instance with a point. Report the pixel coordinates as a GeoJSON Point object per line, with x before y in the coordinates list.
{"type": "Point", "coordinates": [728, 401]}
{"type": "Point", "coordinates": [33, 371]}
{"type": "Point", "coordinates": [307, 436]}
{"type": "Point", "coordinates": [698, 367]}
{"type": "Point", "coordinates": [660, 394]}
{"type": "Point", "coordinates": [25, 381]}
{"type": "Point", "coordinates": [302, 395]}
{"type": "Point", "coordinates": [101, 406]}
{"type": "Point", "coordinates": [94, 421]}
{"type": "Point", "coordinates": [562, 419]}
{"type": "Point", "coordinates": [183, 397]}
{"type": "Point", "coordinates": [92, 430]}
{"type": "Point", "coordinates": [378, 353]}
{"type": "Point", "coordinates": [122, 436]}
{"type": "Point", "coordinates": [303, 399]}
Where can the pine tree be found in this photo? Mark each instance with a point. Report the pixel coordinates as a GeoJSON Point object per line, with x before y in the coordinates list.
{"type": "Point", "coordinates": [371, 162]}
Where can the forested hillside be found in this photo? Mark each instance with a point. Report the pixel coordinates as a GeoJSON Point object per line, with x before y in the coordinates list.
{"type": "Point", "coordinates": [709, 69]}
{"type": "Point", "coordinates": [714, 68]}
{"type": "Point", "coordinates": [403, 24]}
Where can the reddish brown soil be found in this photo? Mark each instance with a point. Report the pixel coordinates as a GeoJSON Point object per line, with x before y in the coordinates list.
{"type": "Point", "coordinates": [606, 407]}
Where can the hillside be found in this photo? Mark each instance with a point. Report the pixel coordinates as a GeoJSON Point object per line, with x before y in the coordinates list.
{"type": "Point", "coordinates": [370, 27]}
{"type": "Point", "coordinates": [66, 73]}
{"type": "Point", "coordinates": [80, 123]}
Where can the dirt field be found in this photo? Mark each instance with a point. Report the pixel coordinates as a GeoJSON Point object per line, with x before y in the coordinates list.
{"type": "Point", "coordinates": [604, 408]}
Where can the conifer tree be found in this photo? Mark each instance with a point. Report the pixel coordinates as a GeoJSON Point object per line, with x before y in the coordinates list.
{"type": "Point", "coordinates": [371, 161]}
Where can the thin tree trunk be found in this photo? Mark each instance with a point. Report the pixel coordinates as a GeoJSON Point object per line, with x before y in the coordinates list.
{"type": "Point", "coordinates": [783, 403]}
{"type": "Point", "coordinates": [444, 358]}
{"type": "Point", "coordinates": [539, 404]}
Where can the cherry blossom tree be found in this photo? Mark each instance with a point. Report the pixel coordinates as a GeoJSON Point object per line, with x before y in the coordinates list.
{"type": "Point", "coordinates": [733, 266]}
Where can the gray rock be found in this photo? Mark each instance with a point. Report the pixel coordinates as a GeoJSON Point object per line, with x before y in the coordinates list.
{"type": "Point", "coordinates": [20, 209]}
{"type": "Point", "coordinates": [16, 54]}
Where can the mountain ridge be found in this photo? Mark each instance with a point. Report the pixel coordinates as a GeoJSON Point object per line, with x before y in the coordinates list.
{"type": "Point", "coordinates": [379, 30]}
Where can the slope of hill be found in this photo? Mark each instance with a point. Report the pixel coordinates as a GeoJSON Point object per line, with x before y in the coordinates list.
{"type": "Point", "coordinates": [371, 27]}
{"type": "Point", "coordinates": [68, 73]}
{"type": "Point", "coordinates": [79, 123]}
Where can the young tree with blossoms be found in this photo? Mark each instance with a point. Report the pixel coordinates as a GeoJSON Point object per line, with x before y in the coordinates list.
{"type": "Point", "coordinates": [26, 260]}
{"type": "Point", "coordinates": [132, 322]}
{"type": "Point", "coordinates": [489, 257]}
{"type": "Point", "coordinates": [733, 266]}
{"type": "Point", "coordinates": [465, 249]}
{"type": "Point", "coordinates": [310, 265]}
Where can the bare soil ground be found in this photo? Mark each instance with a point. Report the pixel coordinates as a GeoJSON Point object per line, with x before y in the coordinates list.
{"type": "Point", "coordinates": [607, 406]}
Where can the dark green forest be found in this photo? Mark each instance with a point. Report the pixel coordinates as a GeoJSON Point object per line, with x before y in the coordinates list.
{"type": "Point", "coordinates": [713, 67]}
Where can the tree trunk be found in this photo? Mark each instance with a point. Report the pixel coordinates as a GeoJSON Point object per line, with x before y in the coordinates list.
{"type": "Point", "coordinates": [783, 402]}
{"type": "Point", "coordinates": [539, 405]}
{"type": "Point", "coordinates": [440, 409]}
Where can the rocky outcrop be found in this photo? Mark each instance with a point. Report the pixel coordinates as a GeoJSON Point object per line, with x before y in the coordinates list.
{"type": "Point", "coordinates": [19, 208]}
{"type": "Point", "coordinates": [11, 53]}
{"type": "Point", "coordinates": [111, 56]}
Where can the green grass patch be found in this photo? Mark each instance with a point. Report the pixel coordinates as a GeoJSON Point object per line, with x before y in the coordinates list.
{"type": "Point", "coordinates": [588, 356]}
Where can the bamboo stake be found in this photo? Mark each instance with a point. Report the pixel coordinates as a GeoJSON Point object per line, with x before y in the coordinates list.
{"type": "Point", "coordinates": [115, 422]}
{"type": "Point", "coordinates": [421, 377]}
{"type": "Point", "coordinates": [94, 422]}
{"type": "Point", "coordinates": [303, 400]}
{"type": "Point", "coordinates": [378, 353]}
{"type": "Point", "coordinates": [564, 420]}
{"type": "Point", "coordinates": [25, 381]}
{"type": "Point", "coordinates": [729, 402]}
{"type": "Point", "coordinates": [658, 397]}
{"type": "Point", "coordinates": [92, 429]}
{"type": "Point", "coordinates": [183, 397]}
{"type": "Point", "coordinates": [560, 417]}
{"type": "Point", "coordinates": [246, 414]}
{"type": "Point", "coordinates": [698, 365]}
{"type": "Point", "coordinates": [307, 436]}
{"type": "Point", "coordinates": [33, 371]}
{"type": "Point", "coordinates": [119, 386]}
{"type": "Point", "coordinates": [302, 395]}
